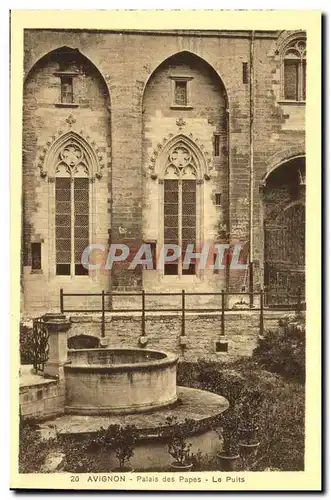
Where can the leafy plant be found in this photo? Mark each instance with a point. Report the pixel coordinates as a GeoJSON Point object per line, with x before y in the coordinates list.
{"type": "Point", "coordinates": [78, 457]}
{"type": "Point", "coordinates": [249, 409]}
{"type": "Point", "coordinates": [120, 439]}
{"type": "Point", "coordinates": [176, 434]}
{"type": "Point", "coordinates": [33, 450]}
{"type": "Point", "coordinates": [280, 414]}
{"type": "Point", "coordinates": [26, 344]}
{"type": "Point", "coordinates": [283, 351]}
{"type": "Point", "coordinates": [229, 433]}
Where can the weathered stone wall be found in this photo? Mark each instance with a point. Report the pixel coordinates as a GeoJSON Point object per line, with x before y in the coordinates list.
{"type": "Point", "coordinates": [164, 331]}
{"type": "Point", "coordinates": [46, 119]}
{"type": "Point", "coordinates": [42, 400]}
{"type": "Point", "coordinates": [111, 96]}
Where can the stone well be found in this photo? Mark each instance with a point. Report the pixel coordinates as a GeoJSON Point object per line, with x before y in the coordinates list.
{"type": "Point", "coordinates": [119, 380]}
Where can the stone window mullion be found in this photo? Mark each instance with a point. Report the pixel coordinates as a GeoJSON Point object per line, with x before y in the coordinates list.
{"type": "Point", "coordinates": [180, 226]}
{"type": "Point", "coordinates": [72, 229]}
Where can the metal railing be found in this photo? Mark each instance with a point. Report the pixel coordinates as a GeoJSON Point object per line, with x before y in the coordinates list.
{"type": "Point", "coordinates": [40, 346]}
{"type": "Point", "coordinates": [182, 310]}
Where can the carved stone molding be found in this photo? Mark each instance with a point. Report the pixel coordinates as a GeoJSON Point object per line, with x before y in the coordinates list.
{"type": "Point", "coordinates": [71, 151]}
{"type": "Point", "coordinates": [180, 123]}
{"type": "Point", "coordinates": [71, 120]}
{"type": "Point", "coordinates": [180, 151]}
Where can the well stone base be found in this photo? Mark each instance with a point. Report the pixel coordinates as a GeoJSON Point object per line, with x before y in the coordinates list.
{"type": "Point", "coordinates": [151, 450]}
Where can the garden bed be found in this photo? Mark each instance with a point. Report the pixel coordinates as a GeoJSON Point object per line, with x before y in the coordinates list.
{"type": "Point", "coordinates": [281, 415]}
{"type": "Point", "coordinates": [270, 384]}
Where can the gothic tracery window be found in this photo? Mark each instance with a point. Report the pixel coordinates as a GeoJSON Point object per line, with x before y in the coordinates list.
{"type": "Point", "coordinates": [180, 205]}
{"type": "Point", "coordinates": [71, 209]}
{"type": "Point", "coordinates": [294, 70]}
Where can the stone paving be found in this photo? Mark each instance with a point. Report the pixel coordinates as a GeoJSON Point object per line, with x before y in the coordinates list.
{"type": "Point", "coordinates": [29, 378]}
{"type": "Point", "coordinates": [201, 406]}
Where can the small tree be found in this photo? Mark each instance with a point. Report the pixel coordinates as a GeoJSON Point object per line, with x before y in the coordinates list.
{"type": "Point", "coordinates": [177, 433]}
{"type": "Point", "coordinates": [249, 409]}
{"type": "Point", "coordinates": [229, 433]}
{"type": "Point", "coordinates": [120, 439]}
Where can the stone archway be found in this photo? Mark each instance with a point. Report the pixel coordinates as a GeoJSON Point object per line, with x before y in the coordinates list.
{"type": "Point", "coordinates": [284, 233]}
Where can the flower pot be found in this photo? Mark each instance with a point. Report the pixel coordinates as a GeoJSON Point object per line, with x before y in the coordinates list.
{"type": "Point", "coordinates": [248, 450]}
{"type": "Point", "coordinates": [248, 434]}
{"type": "Point", "coordinates": [227, 462]}
{"type": "Point", "coordinates": [181, 467]}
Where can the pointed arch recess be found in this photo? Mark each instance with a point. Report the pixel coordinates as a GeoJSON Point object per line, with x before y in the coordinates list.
{"type": "Point", "coordinates": [73, 51]}
{"type": "Point", "coordinates": [190, 53]}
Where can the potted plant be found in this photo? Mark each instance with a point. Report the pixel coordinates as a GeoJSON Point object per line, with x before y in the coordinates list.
{"type": "Point", "coordinates": [121, 440]}
{"type": "Point", "coordinates": [248, 428]}
{"type": "Point", "coordinates": [179, 449]}
{"type": "Point", "coordinates": [229, 456]}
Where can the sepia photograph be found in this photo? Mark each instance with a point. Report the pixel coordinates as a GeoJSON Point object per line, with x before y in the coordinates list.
{"type": "Point", "coordinates": [162, 240]}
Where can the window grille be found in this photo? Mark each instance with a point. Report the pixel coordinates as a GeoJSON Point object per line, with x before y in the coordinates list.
{"type": "Point", "coordinates": [181, 93]}
{"type": "Point", "coordinates": [36, 256]}
{"type": "Point", "coordinates": [67, 94]}
{"type": "Point", "coordinates": [245, 72]}
{"type": "Point", "coordinates": [63, 225]}
{"type": "Point", "coordinates": [180, 206]}
{"type": "Point", "coordinates": [294, 68]}
{"type": "Point", "coordinates": [72, 224]}
{"type": "Point", "coordinates": [218, 199]}
{"type": "Point", "coordinates": [171, 220]}
{"type": "Point", "coordinates": [216, 144]}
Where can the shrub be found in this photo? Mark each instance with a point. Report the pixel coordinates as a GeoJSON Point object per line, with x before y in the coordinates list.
{"type": "Point", "coordinates": [278, 407]}
{"type": "Point", "coordinates": [26, 344]}
{"type": "Point", "coordinates": [32, 449]}
{"type": "Point", "coordinates": [176, 434]}
{"type": "Point", "coordinates": [86, 456]}
{"type": "Point", "coordinates": [283, 351]}
{"type": "Point", "coordinates": [229, 433]}
{"type": "Point", "coordinates": [78, 456]}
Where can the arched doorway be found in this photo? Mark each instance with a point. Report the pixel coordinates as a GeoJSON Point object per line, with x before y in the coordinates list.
{"type": "Point", "coordinates": [284, 233]}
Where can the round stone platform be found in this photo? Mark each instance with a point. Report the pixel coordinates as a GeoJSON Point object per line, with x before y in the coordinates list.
{"type": "Point", "coordinates": [151, 449]}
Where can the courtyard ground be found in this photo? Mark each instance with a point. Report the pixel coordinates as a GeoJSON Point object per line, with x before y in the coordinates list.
{"type": "Point", "coordinates": [280, 418]}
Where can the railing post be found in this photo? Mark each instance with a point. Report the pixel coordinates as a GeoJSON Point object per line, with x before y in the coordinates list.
{"type": "Point", "coordinates": [222, 315]}
{"type": "Point", "coordinates": [61, 300]}
{"type": "Point", "coordinates": [110, 300]}
{"type": "Point", "coordinates": [103, 314]}
{"type": "Point", "coordinates": [261, 311]}
{"type": "Point", "coordinates": [143, 324]}
{"type": "Point", "coordinates": [183, 313]}
{"type": "Point", "coordinates": [288, 300]}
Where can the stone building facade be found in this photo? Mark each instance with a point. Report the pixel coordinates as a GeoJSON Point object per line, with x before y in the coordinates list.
{"type": "Point", "coordinates": [134, 137]}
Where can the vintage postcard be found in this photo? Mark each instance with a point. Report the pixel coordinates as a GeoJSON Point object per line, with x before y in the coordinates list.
{"type": "Point", "coordinates": [165, 214]}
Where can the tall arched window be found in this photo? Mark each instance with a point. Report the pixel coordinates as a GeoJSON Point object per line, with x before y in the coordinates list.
{"type": "Point", "coordinates": [180, 204]}
{"type": "Point", "coordinates": [72, 193]}
{"type": "Point", "coordinates": [294, 70]}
